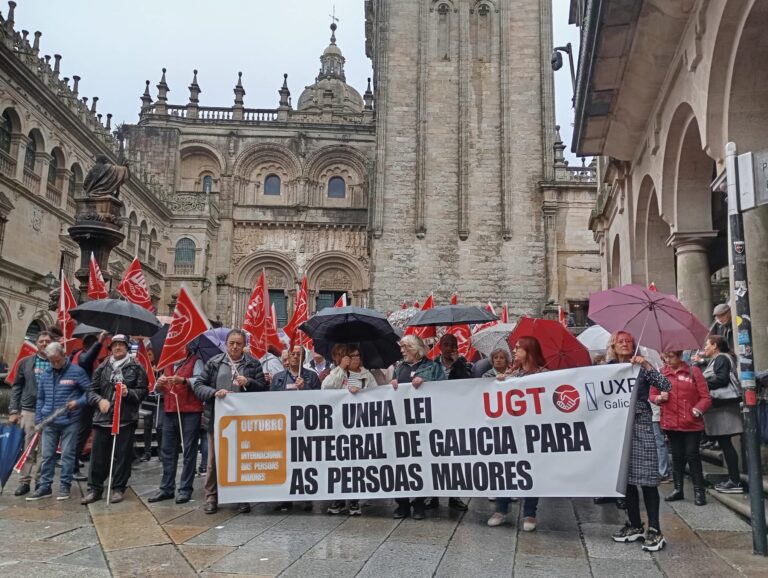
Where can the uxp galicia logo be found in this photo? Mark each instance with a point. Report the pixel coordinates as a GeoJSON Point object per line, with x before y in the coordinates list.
{"type": "Point", "coordinates": [566, 398]}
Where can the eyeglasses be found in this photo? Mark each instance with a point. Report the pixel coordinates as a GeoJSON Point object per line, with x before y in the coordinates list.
{"type": "Point", "coordinates": [354, 355]}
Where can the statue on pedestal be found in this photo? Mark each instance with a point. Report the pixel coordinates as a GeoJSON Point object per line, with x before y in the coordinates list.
{"type": "Point", "coordinates": [105, 178]}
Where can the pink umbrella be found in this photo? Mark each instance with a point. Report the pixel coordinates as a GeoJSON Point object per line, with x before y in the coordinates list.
{"type": "Point", "coordinates": [656, 320]}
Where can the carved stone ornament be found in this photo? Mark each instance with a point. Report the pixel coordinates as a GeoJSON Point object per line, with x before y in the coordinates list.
{"type": "Point", "coordinates": [186, 203]}
{"type": "Point", "coordinates": [37, 218]}
{"type": "Point", "coordinates": [335, 279]}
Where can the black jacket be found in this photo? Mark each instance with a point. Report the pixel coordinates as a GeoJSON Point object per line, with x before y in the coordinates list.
{"type": "Point", "coordinates": [205, 387]}
{"type": "Point", "coordinates": [279, 381]}
{"type": "Point", "coordinates": [24, 389]}
{"type": "Point", "coordinates": [461, 368]}
{"type": "Point", "coordinates": [103, 387]}
{"type": "Point", "coordinates": [722, 366]}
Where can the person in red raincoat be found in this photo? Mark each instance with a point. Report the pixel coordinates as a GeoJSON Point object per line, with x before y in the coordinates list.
{"type": "Point", "coordinates": [682, 409]}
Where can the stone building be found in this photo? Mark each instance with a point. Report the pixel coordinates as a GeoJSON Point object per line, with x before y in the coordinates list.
{"type": "Point", "coordinates": [659, 95]}
{"type": "Point", "coordinates": [446, 174]}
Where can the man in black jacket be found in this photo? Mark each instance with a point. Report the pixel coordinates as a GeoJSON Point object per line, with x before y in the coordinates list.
{"type": "Point", "coordinates": [23, 404]}
{"type": "Point", "coordinates": [119, 367]}
{"type": "Point", "coordinates": [231, 372]}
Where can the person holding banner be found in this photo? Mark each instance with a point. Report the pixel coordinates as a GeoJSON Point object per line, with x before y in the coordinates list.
{"type": "Point", "coordinates": [231, 372]}
{"type": "Point", "coordinates": [181, 426]}
{"type": "Point", "coordinates": [643, 459]}
{"type": "Point", "coordinates": [296, 376]}
{"type": "Point", "coordinates": [528, 360]}
{"type": "Point", "coordinates": [682, 411]}
{"type": "Point", "coordinates": [500, 364]}
{"type": "Point", "coordinates": [62, 385]}
{"type": "Point", "coordinates": [113, 415]}
{"type": "Point", "coordinates": [414, 369]}
{"type": "Point", "coordinates": [23, 404]}
{"type": "Point", "coordinates": [352, 376]}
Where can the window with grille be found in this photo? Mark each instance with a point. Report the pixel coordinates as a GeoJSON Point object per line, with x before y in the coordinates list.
{"type": "Point", "coordinates": [207, 184]}
{"type": "Point", "coordinates": [337, 188]}
{"type": "Point", "coordinates": [29, 155]}
{"type": "Point", "coordinates": [184, 260]}
{"type": "Point", "coordinates": [278, 299]}
{"type": "Point", "coordinates": [272, 185]}
{"type": "Point", "coordinates": [6, 129]}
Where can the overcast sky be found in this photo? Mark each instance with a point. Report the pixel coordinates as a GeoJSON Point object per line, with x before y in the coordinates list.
{"type": "Point", "coordinates": [115, 45]}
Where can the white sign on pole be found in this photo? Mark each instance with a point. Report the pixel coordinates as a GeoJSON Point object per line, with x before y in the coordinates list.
{"type": "Point", "coordinates": [745, 165]}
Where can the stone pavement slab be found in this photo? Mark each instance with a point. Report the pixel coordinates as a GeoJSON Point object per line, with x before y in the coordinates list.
{"type": "Point", "coordinates": [550, 567]}
{"type": "Point", "coordinates": [200, 557]}
{"type": "Point", "coordinates": [154, 561]}
{"type": "Point", "coordinates": [404, 560]}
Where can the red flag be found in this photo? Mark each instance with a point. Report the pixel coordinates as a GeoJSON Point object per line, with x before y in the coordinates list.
{"type": "Point", "coordinates": [255, 322]}
{"type": "Point", "coordinates": [134, 286]}
{"type": "Point", "coordinates": [505, 313]}
{"type": "Point", "coordinates": [416, 305]}
{"type": "Point", "coordinates": [188, 322]}
{"type": "Point", "coordinates": [480, 327]}
{"type": "Point", "coordinates": [25, 454]}
{"type": "Point", "coordinates": [562, 316]}
{"type": "Point", "coordinates": [454, 299]}
{"type": "Point", "coordinates": [652, 287]}
{"type": "Point", "coordinates": [143, 359]}
{"type": "Point", "coordinates": [26, 350]}
{"type": "Point", "coordinates": [404, 305]}
{"type": "Point", "coordinates": [118, 402]}
{"type": "Point", "coordinates": [273, 338]}
{"type": "Point", "coordinates": [426, 331]}
{"type": "Point", "coordinates": [300, 315]}
{"type": "Point", "coordinates": [342, 301]}
{"type": "Point", "coordinates": [66, 304]}
{"type": "Point", "coordinates": [97, 288]}
{"type": "Point", "coordinates": [464, 338]}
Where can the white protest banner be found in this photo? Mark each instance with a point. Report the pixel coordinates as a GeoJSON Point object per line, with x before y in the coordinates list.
{"type": "Point", "coordinates": [562, 433]}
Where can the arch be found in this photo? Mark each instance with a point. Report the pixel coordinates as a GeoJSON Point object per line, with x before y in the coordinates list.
{"type": "Point", "coordinates": [133, 229]}
{"type": "Point", "coordinates": [658, 256]}
{"type": "Point", "coordinates": [6, 130]}
{"type": "Point", "coordinates": [15, 119]}
{"type": "Point", "coordinates": [257, 154]}
{"type": "Point", "coordinates": [331, 262]}
{"type": "Point", "coordinates": [615, 278]}
{"type": "Point", "coordinates": [57, 162]}
{"type": "Point", "coordinates": [35, 144]}
{"type": "Point", "coordinates": [686, 175]}
{"type": "Point", "coordinates": [337, 188]}
{"type": "Point", "coordinates": [34, 328]}
{"type": "Point", "coordinates": [321, 159]}
{"type": "Point", "coordinates": [272, 184]}
{"type": "Point", "coordinates": [247, 271]}
{"type": "Point", "coordinates": [203, 148]}
{"type": "Point", "coordinates": [6, 328]}
{"type": "Point", "coordinates": [184, 256]}
{"type": "Point", "coordinates": [75, 180]}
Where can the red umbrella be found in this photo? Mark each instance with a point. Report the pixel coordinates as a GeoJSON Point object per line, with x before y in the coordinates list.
{"type": "Point", "coordinates": [560, 348]}
{"type": "Point", "coordinates": [658, 321]}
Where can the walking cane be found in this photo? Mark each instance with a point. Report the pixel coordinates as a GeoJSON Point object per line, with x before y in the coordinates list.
{"type": "Point", "coordinates": [115, 432]}
{"type": "Point", "coordinates": [178, 414]}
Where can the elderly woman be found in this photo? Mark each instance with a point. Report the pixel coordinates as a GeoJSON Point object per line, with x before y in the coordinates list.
{"type": "Point", "coordinates": [528, 360]}
{"type": "Point", "coordinates": [414, 369]}
{"type": "Point", "coordinates": [500, 362]}
{"type": "Point", "coordinates": [723, 420]}
{"type": "Point", "coordinates": [352, 376]}
{"type": "Point", "coordinates": [682, 410]}
{"type": "Point", "coordinates": [643, 459]}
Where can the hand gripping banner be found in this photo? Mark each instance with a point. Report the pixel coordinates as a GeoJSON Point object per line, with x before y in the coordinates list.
{"type": "Point", "coordinates": [557, 434]}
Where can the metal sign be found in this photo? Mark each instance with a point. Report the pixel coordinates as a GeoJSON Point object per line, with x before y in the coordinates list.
{"type": "Point", "coordinates": [753, 192]}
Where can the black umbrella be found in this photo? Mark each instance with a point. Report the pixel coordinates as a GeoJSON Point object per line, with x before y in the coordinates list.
{"type": "Point", "coordinates": [452, 315]}
{"type": "Point", "coordinates": [116, 316]}
{"type": "Point", "coordinates": [84, 330]}
{"type": "Point", "coordinates": [377, 354]}
{"type": "Point", "coordinates": [347, 325]}
{"type": "Point", "coordinates": [158, 340]}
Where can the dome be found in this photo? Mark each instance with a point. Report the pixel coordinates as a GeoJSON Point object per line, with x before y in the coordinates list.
{"type": "Point", "coordinates": [332, 50]}
{"type": "Point", "coordinates": [331, 92]}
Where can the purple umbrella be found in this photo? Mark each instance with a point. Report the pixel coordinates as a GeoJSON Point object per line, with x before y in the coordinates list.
{"type": "Point", "coordinates": [212, 342]}
{"type": "Point", "coordinates": [656, 320]}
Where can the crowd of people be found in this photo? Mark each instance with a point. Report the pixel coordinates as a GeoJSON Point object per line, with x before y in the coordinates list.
{"type": "Point", "coordinates": [75, 396]}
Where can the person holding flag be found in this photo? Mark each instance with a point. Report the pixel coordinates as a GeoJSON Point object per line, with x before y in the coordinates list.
{"type": "Point", "coordinates": [233, 371]}
{"type": "Point", "coordinates": [119, 384]}
{"type": "Point", "coordinates": [181, 427]}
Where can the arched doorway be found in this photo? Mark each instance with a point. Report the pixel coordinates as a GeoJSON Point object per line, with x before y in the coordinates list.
{"type": "Point", "coordinates": [616, 263]}
{"type": "Point", "coordinates": [33, 330]}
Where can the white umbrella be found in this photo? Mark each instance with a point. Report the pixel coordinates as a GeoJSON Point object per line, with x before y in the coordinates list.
{"type": "Point", "coordinates": [493, 337]}
{"type": "Point", "coordinates": [595, 338]}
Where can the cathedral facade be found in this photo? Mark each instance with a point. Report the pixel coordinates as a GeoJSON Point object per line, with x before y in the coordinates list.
{"type": "Point", "coordinates": [445, 175]}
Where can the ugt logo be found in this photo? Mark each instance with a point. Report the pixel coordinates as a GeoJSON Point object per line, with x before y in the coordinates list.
{"type": "Point", "coordinates": [566, 398]}
{"type": "Point", "coordinates": [180, 326]}
{"type": "Point", "coordinates": [137, 285]}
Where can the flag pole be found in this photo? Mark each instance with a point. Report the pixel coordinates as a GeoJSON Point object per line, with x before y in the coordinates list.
{"type": "Point", "coordinates": [116, 414]}
{"type": "Point", "coordinates": [178, 415]}
{"type": "Point", "coordinates": [111, 468]}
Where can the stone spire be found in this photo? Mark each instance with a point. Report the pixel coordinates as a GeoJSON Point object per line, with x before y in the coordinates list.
{"type": "Point", "coordinates": [162, 96]}
{"type": "Point", "coordinates": [368, 97]}
{"type": "Point", "coordinates": [194, 90]}
{"type": "Point", "coordinates": [75, 83]}
{"type": "Point", "coordinates": [559, 148]}
{"type": "Point", "coordinates": [238, 111]}
{"type": "Point", "coordinates": [10, 22]}
{"type": "Point", "coordinates": [285, 94]}
{"type": "Point", "coordinates": [93, 104]}
{"type": "Point", "coordinates": [146, 98]}
{"type": "Point", "coordinates": [332, 61]}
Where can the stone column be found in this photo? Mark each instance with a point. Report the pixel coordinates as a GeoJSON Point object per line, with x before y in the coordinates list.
{"type": "Point", "coordinates": [693, 275]}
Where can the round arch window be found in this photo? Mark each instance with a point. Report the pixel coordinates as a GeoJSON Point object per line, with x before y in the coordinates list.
{"type": "Point", "coordinates": [337, 188]}
{"type": "Point", "coordinates": [272, 185]}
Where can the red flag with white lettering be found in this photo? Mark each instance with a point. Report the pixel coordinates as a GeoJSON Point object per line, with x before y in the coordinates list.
{"type": "Point", "coordinates": [116, 408]}
{"type": "Point", "coordinates": [97, 288]}
{"type": "Point", "coordinates": [66, 304]}
{"type": "Point", "coordinates": [480, 327]}
{"type": "Point", "coordinates": [143, 359]}
{"type": "Point", "coordinates": [342, 301]}
{"type": "Point", "coordinates": [188, 322]}
{"type": "Point", "coordinates": [426, 331]}
{"type": "Point", "coordinates": [255, 322]}
{"type": "Point", "coordinates": [300, 315]}
{"type": "Point", "coordinates": [134, 286]}
{"type": "Point", "coordinates": [26, 350]}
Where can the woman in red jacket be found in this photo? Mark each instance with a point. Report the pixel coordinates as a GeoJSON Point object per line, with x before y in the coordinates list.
{"type": "Point", "coordinates": [682, 409]}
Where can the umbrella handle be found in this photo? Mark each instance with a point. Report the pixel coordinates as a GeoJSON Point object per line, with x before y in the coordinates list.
{"type": "Point", "coordinates": [642, 331]}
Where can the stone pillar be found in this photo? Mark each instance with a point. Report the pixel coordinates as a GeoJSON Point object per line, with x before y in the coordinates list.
{"type": "Point", "coordinates": [756, 236]}
{"type": "Point", "coordinates": [693, 275]}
